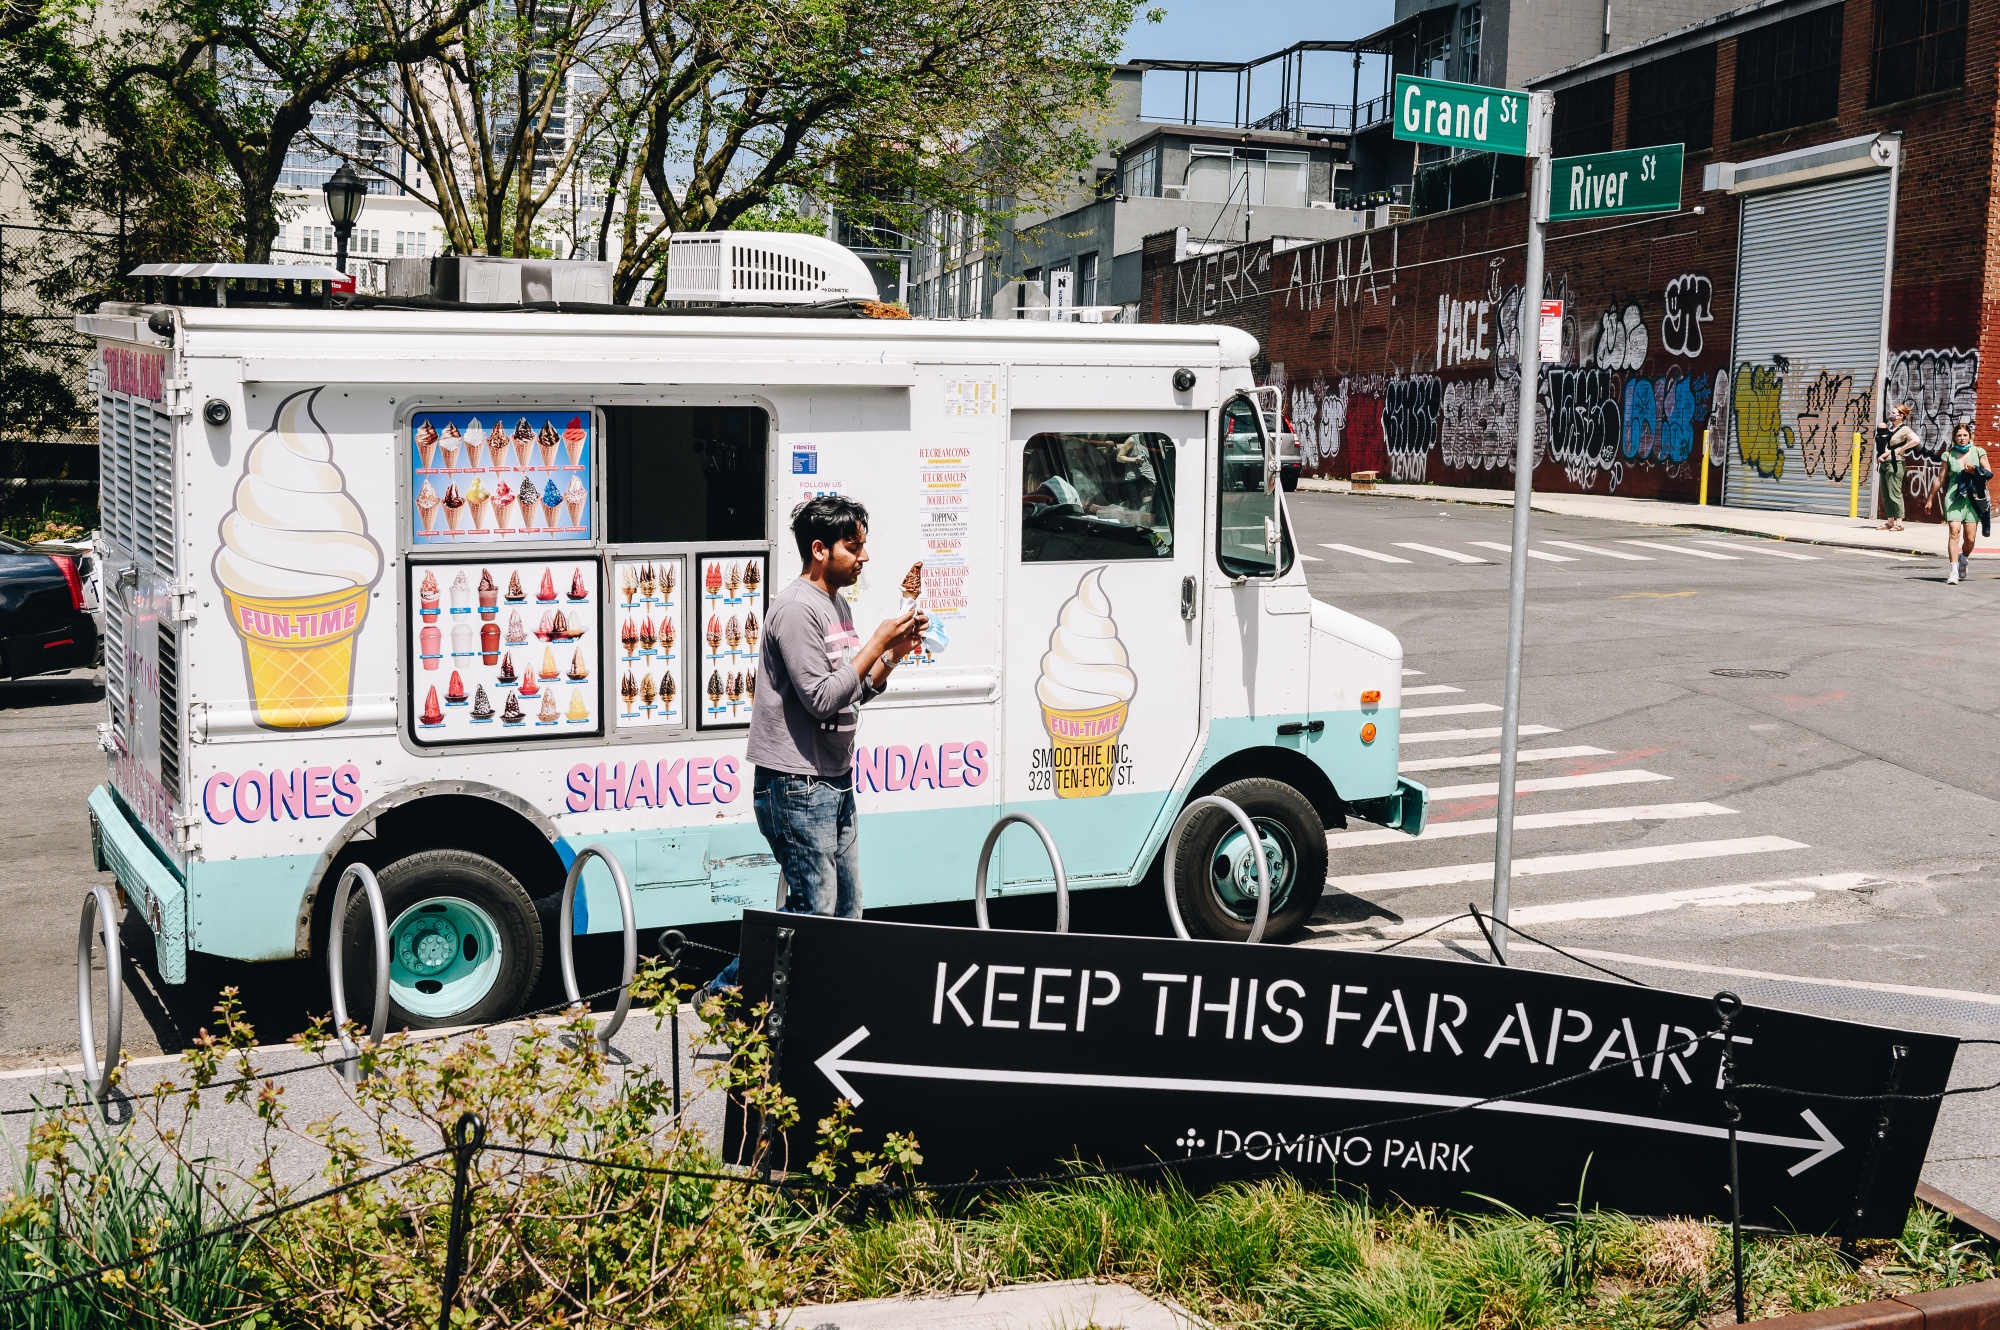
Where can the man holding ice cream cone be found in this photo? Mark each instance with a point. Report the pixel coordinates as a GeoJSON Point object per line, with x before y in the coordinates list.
{"type": "Point", "coordinates": [814, 673]}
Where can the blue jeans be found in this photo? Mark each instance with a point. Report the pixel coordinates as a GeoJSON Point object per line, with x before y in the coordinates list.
{"type": "Point", "coordinates": [809, 823]}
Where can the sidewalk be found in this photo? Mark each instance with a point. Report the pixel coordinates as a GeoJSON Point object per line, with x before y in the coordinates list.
{"type": "Point", "coordinates": [1806, 528]}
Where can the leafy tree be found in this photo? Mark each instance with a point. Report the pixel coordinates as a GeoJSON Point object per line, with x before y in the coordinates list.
{"type": "Point", "coordinates": [253, 74]}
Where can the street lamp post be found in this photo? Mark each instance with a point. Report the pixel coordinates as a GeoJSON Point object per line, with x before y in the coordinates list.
{"type": "Point", "coordinates": [346, 193]}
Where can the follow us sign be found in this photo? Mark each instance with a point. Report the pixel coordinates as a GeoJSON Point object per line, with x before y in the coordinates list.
{"type": "Point", "coordinates": [1461, 115]}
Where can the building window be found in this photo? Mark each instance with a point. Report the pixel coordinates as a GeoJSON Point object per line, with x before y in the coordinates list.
{"type": "Point", "coordinates": [412, 244]}
{"type": "Point", "coordinates": [1471, 19]}
{"type": "Point", "coordinates": [1673, 101]}
{"type": "Point", "coordinates": [1788, 74]}
{"type": "Point", "coordinates": [1254, 176]}
{"type": "Point", "coordinates": [1919, 48]}
{"type": "Point", "coordinates": [1086, 279]}
{"type": "Point", "coordinates": [1583, 117]}
{"type": "Point", "coordinates": [1434, 47]}
{"type": "Point", "coordinates": [1140, 174]}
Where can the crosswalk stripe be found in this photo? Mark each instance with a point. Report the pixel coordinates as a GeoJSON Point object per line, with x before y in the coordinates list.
{"type": "Point", "coordinates": [1489, 732]}
{"type": "Point", "coordinates": [1453, 555]}
{"type": "Point", "coordinates": [1493, 759]}
{"type": "Point", "coordinates": [1456, 709]}
{"type": "Point", "coordinates": [1681, 549]}
{"type": "Point", "coordinates": [1430, 688]}
{"type": "Point", "coordinates": [1759, 549]}
{"type": "Point", "coordinates": [1311, 558]}
{"type": "Point", "coordinates": [1376, 555]}
{"type": "Point", "coordinates": [1775, 891]}
{"type": "Point", "coordinates": [1412, 673]}
{"type": "Point", "coordinates": [1532, 554]}
{"type": "Point", "coordinates": [1549, 784]}
{"type": "Point", "coordinates": [1484, 826]}
{"type": "Point", "coordinates": [1361, 884]}
{"type": "Point", "coordinates": [1609, 554]}
{"type": "Point", "coordinates": [1886, 554]}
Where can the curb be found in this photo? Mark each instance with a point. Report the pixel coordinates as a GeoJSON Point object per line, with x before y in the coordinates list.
{"type": "Point", "coordinates": [1504, 500]}
{"type": "Point", "coordinates": [1967, 1307]}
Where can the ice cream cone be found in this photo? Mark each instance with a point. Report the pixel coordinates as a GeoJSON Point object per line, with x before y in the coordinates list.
{"type": "Point", "coordinates": [454, 515]}
{"type": "Point", "coordinates": [548, 451]}
{"type": "Point", "coordinates": [479, 512]}
{"type": "Point", "coordinates": [575, 513]}
{"type": "Point", "coordinates": [429, 517]}
{"type": "Point", "coordinates": [1086, 748]}
{"type": "Point", "coordinates": [301, 654]}
{"type": "Point", "coordinates": [429, 452]}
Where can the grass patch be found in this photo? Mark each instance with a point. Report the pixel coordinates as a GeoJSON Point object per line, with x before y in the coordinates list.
{"type": "Point", "coordinates": [1276, 1255]}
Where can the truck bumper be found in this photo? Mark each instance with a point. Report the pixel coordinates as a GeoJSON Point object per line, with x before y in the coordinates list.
{"type": "Point", "coordinates": [1402, 811]}
{"type": "Point", "coordinates": [153, 889]}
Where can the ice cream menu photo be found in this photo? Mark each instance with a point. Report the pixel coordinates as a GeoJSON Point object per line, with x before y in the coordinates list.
{"type": "Point", "coordinates": [503, 650]}
{"type": "Point", "coordinates": [729, 607]}
{"type": "Point", "coordinates": [647, 612]}
{"type": "Point", "coordinates": [501, 474]}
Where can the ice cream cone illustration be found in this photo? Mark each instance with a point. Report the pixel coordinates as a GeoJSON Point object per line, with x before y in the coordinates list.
{"type": "Point", "coordinates": [452, 439]}
{"type": "Point", "coordinates": [480, 500]}
{"type": "Point", "coordinates": [547, 440]}
{"type": "Point", "coordinates": [1086, 689]}
{"type": "Point", "coordinates": [296, 564]}
{"type": "Point", "coordinates": [647, 692]}
{"type": "Point", "coordinates": [496, 443]}
{"type": "Point", "coordinates": [574, 498]}
{"type": "Point", "coordinates": [524, 440]}
{"type": "Point", "coordinates": [427, 506]}
{"type": "Point", "coordinates": [751, 577]}
{"type": "Point", "coordinates": [503, 506]}
{"type": "Point", "coordinates": [530, 502]}
{"type": "Point", "coordinates": [667, 690]}
{"type": "Point", "coordinates": [733, 580]}
{"type": "Point", "coordinates": [628, 691]}
{"type": "Point", "coordinates": [666, 581]}
{"type": "Point", "coordinates": [573, 437]}
{"type": "Point", "coordinates": [628, 583]}
{"type": "Point", "coordinates": [427, 444]}
{"type": "Point", "coordinates": [454, 507]}
{"type": "Point", "coordinates": [648, 581]}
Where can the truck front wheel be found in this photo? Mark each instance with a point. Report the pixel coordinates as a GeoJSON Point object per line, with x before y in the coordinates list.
{"type": "Point", "coordinates": [1215, 877]}
{"type": "Point", "coordinates": [464, 943]}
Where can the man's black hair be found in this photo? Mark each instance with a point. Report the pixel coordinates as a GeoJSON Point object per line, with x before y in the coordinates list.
{"type": "Point", "coordinates": [828, 519]}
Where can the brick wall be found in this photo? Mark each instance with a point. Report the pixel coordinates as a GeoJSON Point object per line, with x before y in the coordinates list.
{"type": "Point", "coordinates": [1395, 346]}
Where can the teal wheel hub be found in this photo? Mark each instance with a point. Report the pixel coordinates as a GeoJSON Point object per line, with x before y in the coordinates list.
{"type": "Point", "coordinates": [444, 956]}
{"type": "Point", "coordinates": [1233, 869]}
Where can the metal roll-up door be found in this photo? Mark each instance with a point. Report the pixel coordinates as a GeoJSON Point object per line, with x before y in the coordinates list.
{"type": "Point", "coordinates": [1809, 323]}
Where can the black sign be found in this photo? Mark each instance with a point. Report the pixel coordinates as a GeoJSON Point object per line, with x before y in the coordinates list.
{"type": "Point", "coordinates": [1007, 1053]}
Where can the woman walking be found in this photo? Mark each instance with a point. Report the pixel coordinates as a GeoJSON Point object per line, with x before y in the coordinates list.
{"type": "Point", "coordinates": [1892, 463]}
{"type": "Point", "coordinates": [1961, 483]}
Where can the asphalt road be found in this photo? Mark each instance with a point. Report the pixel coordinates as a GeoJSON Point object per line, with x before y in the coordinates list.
{"type": "Point", "coordinates": [1759, 766]}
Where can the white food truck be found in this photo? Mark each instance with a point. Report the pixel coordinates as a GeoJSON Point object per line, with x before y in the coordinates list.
{"type": "Point", "coordinates": [456, 591]}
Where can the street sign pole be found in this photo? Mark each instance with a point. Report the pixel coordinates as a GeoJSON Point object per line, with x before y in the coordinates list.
{"type": "Point", "coordinates": [1528, 341]}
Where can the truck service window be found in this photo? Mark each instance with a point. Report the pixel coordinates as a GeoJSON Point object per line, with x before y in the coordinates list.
{"type": "Point", "coordinates": [1243, 503]}
{"type": "Point", "coordinates": [1097, 496]}
{"type": "Point", "coordinates": [684, 473]}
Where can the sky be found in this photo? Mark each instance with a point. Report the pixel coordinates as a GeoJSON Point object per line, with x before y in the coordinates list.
{"type": "Point", "coordinates": [1243, 29]}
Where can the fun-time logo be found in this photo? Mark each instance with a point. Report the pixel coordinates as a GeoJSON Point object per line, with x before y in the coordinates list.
{"type": "Point", "coordinates": [1086, 690]}
{"type": "Point", "coordinates": [296, 565]}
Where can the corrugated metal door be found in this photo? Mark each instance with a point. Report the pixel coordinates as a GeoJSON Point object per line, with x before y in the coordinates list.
{"type": "Point", "coordinates": [1808, 341]}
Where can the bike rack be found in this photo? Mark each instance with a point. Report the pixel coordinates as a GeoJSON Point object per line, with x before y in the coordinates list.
{"type": "Point", "coordinates": [1263, 873]}
{"type": "Point", "coordinates": [568, 933]}
{"type": "Point", "coordinates": [336, 963]}
{"type": "Point", "coordinates": [97, 900]}
{"type": "Point", "coordinates": [1055, 861]}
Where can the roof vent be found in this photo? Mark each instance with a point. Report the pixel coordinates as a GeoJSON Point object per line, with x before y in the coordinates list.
{"type": "Point", "coordinates": [764, 268]}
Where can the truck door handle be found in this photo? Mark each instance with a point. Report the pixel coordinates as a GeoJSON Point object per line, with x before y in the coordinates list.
{"type": "Point", "coordinates": [1187, 598]}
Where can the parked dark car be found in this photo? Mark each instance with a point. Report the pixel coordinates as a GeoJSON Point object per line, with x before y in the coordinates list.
{"type": "Point", "coordinates": [45, 624]}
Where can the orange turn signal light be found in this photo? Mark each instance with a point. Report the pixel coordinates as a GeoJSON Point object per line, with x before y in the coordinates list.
{"type": "Point", "coordinates": [1368, 733]}
{"type": "Point", "coordinates": [1370, 696]}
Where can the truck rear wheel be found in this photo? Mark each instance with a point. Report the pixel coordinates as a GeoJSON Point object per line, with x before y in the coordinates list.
{"type": "Point", "coordinates": [1215, 877]}
{"type": "Point", "coordinates": [464, 943]}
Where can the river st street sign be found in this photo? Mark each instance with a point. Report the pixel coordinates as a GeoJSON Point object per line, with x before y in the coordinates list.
{"type": "Point", "coordinates": [1007, 1053]}
{"type": "Point", "coordinates": [1606, 184]}
{"type": "Point", "coordinates": [1461, 115]}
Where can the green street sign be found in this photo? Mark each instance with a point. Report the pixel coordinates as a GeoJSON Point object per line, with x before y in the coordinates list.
{"type": "Point", "coordinates": [1605, 184]}
{"type": "Point", "coordinates": [1461, 115]}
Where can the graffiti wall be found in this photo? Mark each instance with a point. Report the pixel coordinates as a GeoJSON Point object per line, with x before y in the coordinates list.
{"type": "Point", "coordinates": [1398, 354]}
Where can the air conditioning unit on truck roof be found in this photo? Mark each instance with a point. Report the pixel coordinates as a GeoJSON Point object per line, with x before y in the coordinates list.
{"type": "Point", "coordinates": [764, 268]}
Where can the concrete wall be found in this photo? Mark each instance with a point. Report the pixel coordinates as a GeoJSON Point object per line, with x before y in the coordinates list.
{"type": "Point", "coordinates": [1397, 347]}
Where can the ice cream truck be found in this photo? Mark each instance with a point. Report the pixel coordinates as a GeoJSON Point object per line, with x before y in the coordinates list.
{"type": "Point", "coordinates": [455, 591]}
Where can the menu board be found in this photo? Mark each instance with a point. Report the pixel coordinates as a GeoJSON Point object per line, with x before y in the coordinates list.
{"type": "Point", "coordinates": [502, 650]}
{"type": "Point", "coordinates": [729, 608]}
{"type": "Point", "coordinates": [500, 474]}
{"type": "Point", "coordinates": [647, 613]}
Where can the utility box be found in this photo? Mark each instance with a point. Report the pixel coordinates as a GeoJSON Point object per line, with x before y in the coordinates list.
{"type": "Point", "coordinates": [566, 281]}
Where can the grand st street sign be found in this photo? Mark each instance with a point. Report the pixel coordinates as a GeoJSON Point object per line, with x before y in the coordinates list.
{"type": "Point", "coordinates": [1008, 1053]}
{"type": "Point", "coordinates": [1461, 115]}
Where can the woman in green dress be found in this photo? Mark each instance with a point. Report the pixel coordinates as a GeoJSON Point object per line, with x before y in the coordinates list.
{"type": "Point", "coordinates": [1961, 519]}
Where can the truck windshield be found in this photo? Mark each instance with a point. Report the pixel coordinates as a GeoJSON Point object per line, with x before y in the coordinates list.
{"type": "Point", "coordinates": [1244, 503]}
{"type": "Point", "coordinates": [1097, 496]}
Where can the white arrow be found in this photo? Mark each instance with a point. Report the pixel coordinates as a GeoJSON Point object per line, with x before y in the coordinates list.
{"type": "Point", "coordinates": [1822, 1143]}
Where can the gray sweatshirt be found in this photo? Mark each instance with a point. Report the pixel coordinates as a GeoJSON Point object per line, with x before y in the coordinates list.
{"type": "Point", "coordinates": [807, 690]}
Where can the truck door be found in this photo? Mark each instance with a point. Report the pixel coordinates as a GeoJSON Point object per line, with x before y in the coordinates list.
{"type": "Point", "coordinates": [1102, 682]}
